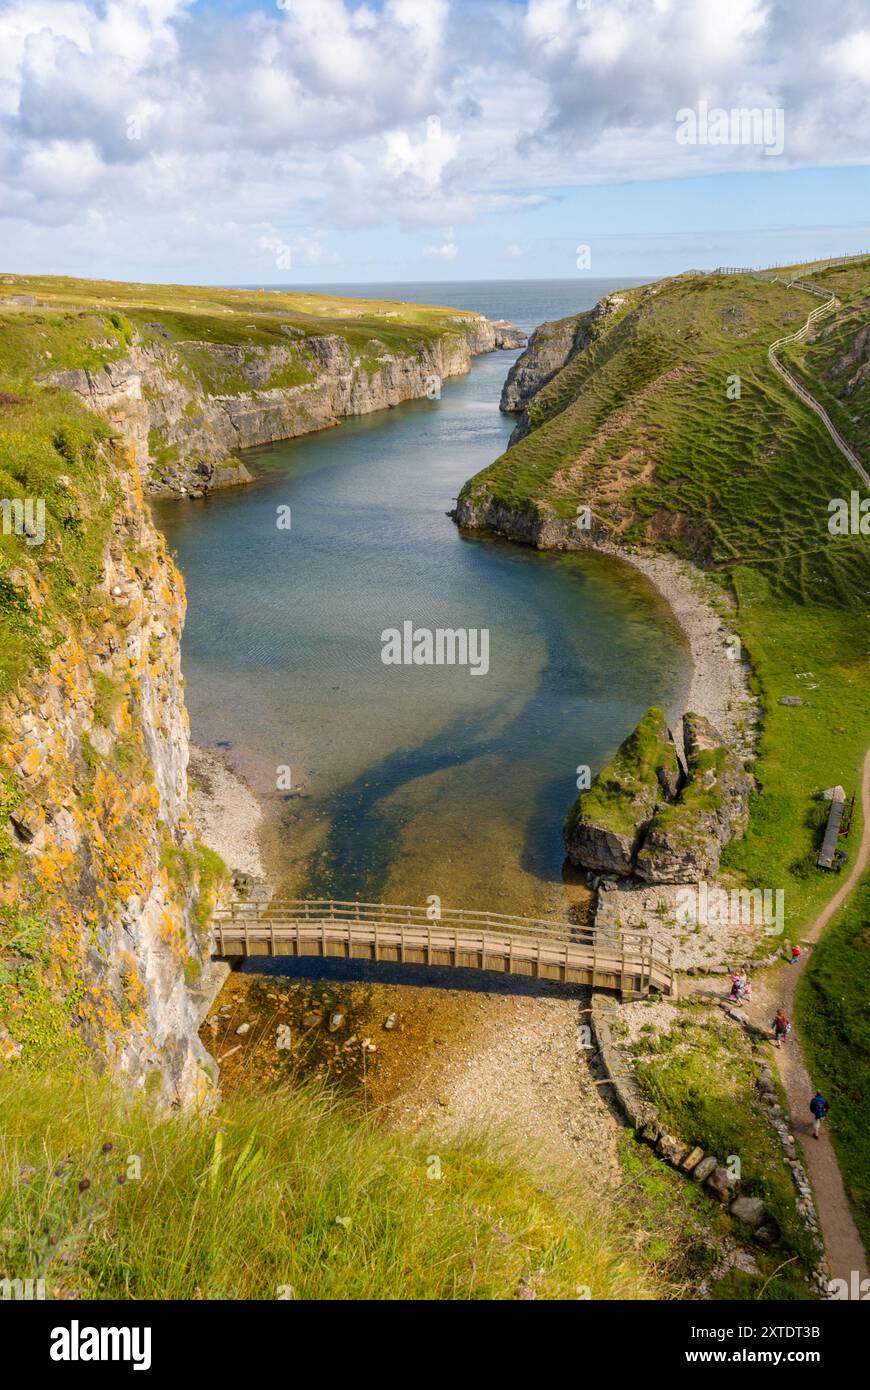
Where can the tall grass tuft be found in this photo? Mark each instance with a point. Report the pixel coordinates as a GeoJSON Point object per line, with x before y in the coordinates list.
{"type": "Point", "coordinates": [282, 1196]}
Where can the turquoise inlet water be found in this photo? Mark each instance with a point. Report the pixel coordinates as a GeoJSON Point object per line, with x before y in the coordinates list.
{"type": "Point", "coordinates": [412, 780]}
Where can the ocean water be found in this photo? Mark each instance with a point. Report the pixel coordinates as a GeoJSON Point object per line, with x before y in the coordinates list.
{"type": "Point", "coordinates": [407, 781]}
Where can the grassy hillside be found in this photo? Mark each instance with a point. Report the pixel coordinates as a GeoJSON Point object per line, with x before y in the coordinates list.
{"type": "Point", "coordinates": [280, 1197]}
{"type": "Point", "coordinates": [191, 314]}
{"type": "Point", "coordinates": [640, 425]}
{"type": "Point", "coordinates": [702, 1075]}
{"type": "Point", "coordinates": [644, 426]}
{"type": "Point", "coordinates": [672, 426]}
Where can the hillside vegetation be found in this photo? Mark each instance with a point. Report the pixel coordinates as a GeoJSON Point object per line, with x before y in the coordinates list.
{"type": "Point", "coordinates": [286, 1196]}
{"type": "Point", "coordinates": [645, 426]}
{"type": "Point", "coordinates": [253, 318]}
{"type": "Point", "coordinates": [836, 1025]}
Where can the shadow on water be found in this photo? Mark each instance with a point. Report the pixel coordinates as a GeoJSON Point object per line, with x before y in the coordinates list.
{"type": "Point", "coordinates": [360, 847]}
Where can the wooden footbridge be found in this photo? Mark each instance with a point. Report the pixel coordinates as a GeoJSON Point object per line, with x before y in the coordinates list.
{"type": "Point", "coordinates": [632, 962]}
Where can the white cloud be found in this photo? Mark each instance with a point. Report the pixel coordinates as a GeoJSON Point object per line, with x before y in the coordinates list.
{"type": "Point", "coordinates": [320, 114]}
{"type": "Point", "coordinates": [447, 251]}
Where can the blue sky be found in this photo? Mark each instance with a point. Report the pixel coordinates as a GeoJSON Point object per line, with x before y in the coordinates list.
{"type": "Point", "coordinates": [312, 140]}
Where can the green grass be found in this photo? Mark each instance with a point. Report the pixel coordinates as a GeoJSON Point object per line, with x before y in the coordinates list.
{"type": "Point", "coordinates": [627, 789]}
{"type": "Point", "coordinates": [263, 318]}
{"type": "Point", "coordinates": [686, 1237]}
{"type": "Point", "coordinates": [639, 426]}
{"type": "Point", "coordinates": [702, 1077]}
{"type": "Point", "coordinates": [293, 1195]}
{"type": "Point", "coordinates": [802, 750]}
{"type": "Point", "coordinates": [835, 1027]}
{"type": "Point", "coordinates": [54, 452]}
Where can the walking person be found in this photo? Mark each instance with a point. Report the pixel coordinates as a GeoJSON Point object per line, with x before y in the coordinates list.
{"type": "Point", "coordinates": [818, 1109]}
{"type": "Point", "coordinates": [740, 988]}
{"type": "Point", "coordinates": [781, 1028]}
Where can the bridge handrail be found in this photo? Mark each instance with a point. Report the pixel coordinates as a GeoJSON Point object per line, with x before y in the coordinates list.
{"type": "Point", "coordinates": [324, 911]}
{"type": "Point", "coordinates": [258, 909]}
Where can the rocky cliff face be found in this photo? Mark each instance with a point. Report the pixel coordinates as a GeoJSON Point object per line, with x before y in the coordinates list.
{"type": "Point", "coordinates": [605, 827]}
{"type": "Point", "coordinates": [647, 817]}
{"type": "Point", "coordinates": [103, 884]}
{"type": "Point", "coordinates": [105, 894]}
{"type": "Point", "coordinates": [530, 525]}
{"type": "Point", "coordinates": [550, 347]}
{"type": "Point", "coordinates": [188, 435]}
{"type": "Point", "coordinates": [685, 840]}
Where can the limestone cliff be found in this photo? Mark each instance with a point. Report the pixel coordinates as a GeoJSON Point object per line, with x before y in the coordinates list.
{"type": "Point", "coordinates": [193, 405]}
{"type": "Point", "coordinates": [105, 895]}
{"type": "Point", "coordinates": [551, 347]}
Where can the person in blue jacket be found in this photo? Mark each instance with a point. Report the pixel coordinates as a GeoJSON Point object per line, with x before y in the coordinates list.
{"type": "Point", "coordinates": [818, 1110]}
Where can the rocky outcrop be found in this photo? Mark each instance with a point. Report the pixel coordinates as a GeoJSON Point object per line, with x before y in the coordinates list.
{"type": "Point", "coordinates": [605, 826]}
{"type": "Point", "coordinates": [684, 840]}
{"type": "Point", "coordinates": [506, 336]}
{"type": "Point", "coordinates": [530, 524]}
{"type": "Point", "coordinates": [193, 406]}
{"type": "Point", "coordinates": [645, 817]}
{"type": "Point", "coordinates": [549, 348]}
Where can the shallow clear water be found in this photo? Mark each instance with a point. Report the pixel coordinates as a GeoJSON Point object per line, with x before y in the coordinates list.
{"type": "Point", "coordinates": [411, 780]}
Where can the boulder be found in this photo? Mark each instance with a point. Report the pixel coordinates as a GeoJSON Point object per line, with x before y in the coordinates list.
{"type": "Point", "coordinates": [721, 1184]}
{"type": "Point", "coordinates": [767, 1235]}
{"type": "Point", "coordinates": [749, 1210]}
{"type": "Point", "coordinates": [703, 1169]}
{"type": "Point", "coordinates": [692, 1159]}
{"type": "Point", "coordinates": [671, 1149]}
